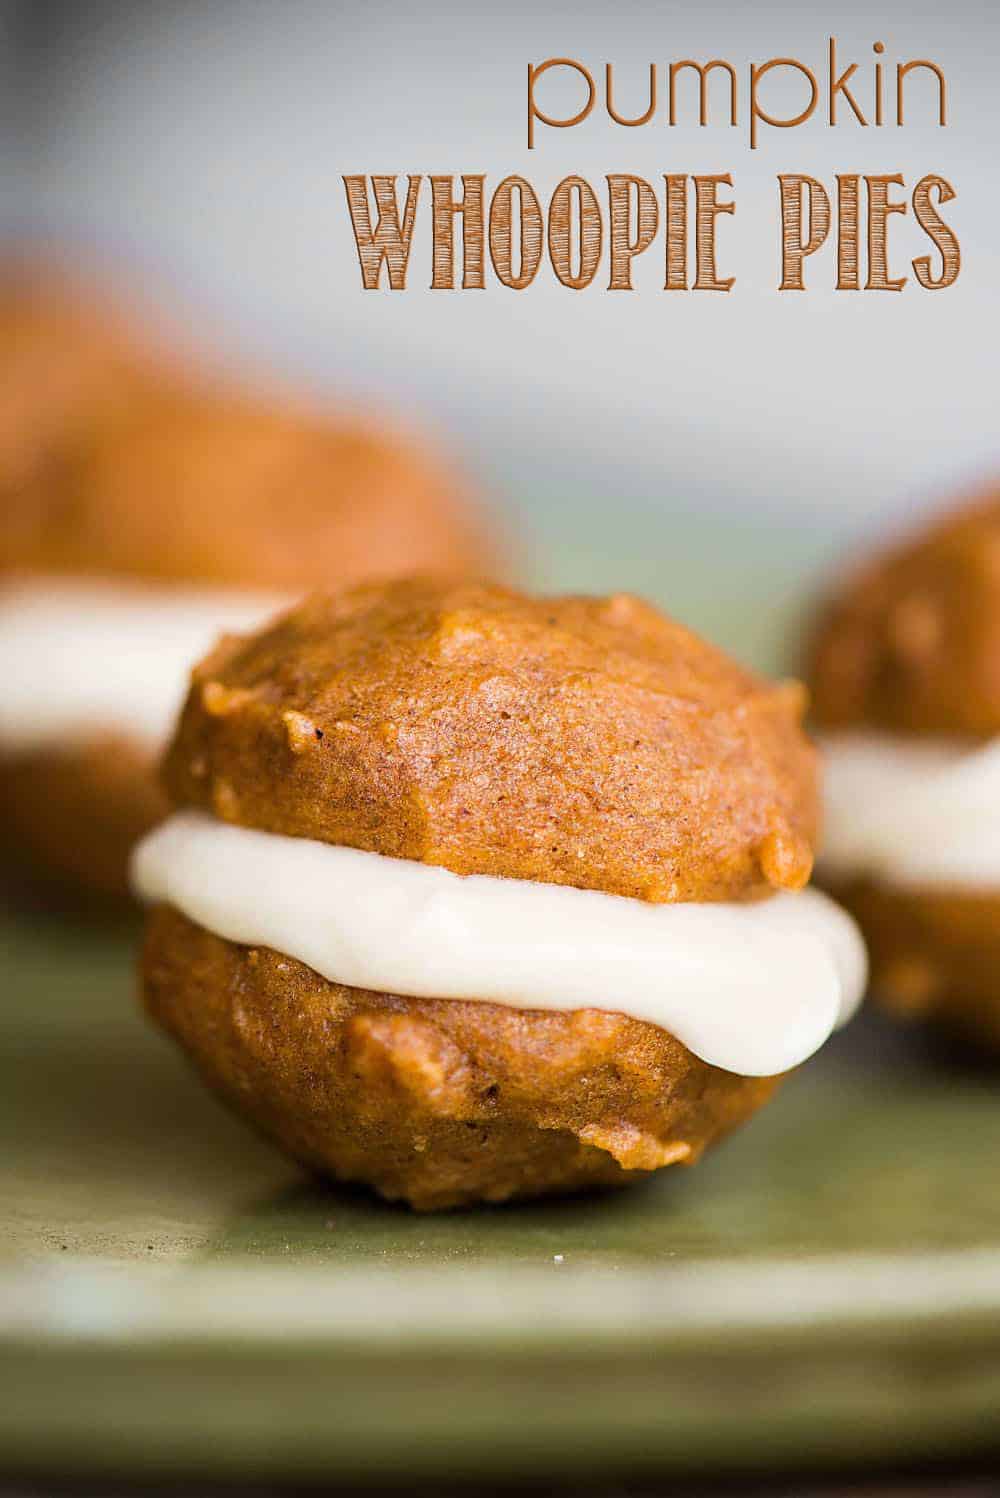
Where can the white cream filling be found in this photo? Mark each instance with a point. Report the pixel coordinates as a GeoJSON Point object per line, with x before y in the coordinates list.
{"type": "Point", "coordinates": [752, 988]}
{"type": "Point", "coordinates": [912, 812]}
{"type": "Point", "coordinates": [79, 656]}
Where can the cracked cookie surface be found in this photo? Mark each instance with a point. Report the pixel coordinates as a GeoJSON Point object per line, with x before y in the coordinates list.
{"type": "Point", "coordinates": [583, 741]}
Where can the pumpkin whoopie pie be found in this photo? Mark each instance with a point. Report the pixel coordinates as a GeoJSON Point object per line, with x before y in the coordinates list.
{"type": "Point", "coordinates": [905, 676]}
{"type": "Point", "coordinates": [471, 895]}
{"type": "Point", "coordinates": [144, 514]}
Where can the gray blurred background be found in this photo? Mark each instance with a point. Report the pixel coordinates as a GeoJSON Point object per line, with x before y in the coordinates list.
{"type": "Point", "coordinates": [716, 452]}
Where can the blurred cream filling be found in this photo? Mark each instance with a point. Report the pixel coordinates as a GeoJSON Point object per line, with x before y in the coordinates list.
{"type": "Point", "coordinates": [753, 988]}
{"type": "Point", "coordinates": [79, 656]}
{"type": "Point", "coordinates": [912, 812]}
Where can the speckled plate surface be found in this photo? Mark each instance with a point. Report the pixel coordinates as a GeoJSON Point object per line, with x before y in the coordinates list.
{"type": "Point", "coordinates": [175, 1298]}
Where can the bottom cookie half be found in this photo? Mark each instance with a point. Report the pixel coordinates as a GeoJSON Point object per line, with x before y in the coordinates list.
{"type": "Point", "coordinates": [439, 1102]}
{"type": "Point", "coordinates": [934, 954]}
{"type": "Point", "coordinates": [70, 816]}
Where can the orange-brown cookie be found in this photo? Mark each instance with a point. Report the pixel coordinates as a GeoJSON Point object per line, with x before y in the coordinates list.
{"type": "Point", "coordinates": [907, 655]}
{"type": "Point", "coordinates": [434, 1101]}
{"type": "Point", "coordinates": [71, 817]}
{"type": "Point", "coordinates": [213, 487]}
{"type": "Point", "coordinates": [583, 742]}
{"type": "Point", "coordinates": [115, 468]}
{"type": "Point", "coordinates": [909, 643]}
{"type": "Point", "coordinates": [934, 953]}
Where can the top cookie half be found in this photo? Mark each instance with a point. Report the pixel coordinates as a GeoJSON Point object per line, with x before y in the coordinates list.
{"type": "Point", "coordinates": [911, 643]}
{"type": "Point", "coordinates": [122, 461]}
{"type": "Point", "coordinates": [588, 742]}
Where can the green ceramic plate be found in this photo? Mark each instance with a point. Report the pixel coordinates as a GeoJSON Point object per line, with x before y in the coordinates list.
{"type": "Point", "coordinates": [174, 1297]}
